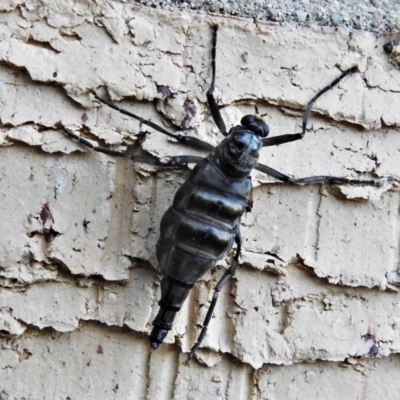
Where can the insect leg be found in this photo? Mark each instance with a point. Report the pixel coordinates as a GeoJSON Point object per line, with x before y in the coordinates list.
{"type": "Point", "coordinates": [274, 141]}
{"type": "Point", "coordinates": [210, 92]}
{"type": "Point", "coordinates": [225, 278]}
{"type": "Point", "coordinates": [176, 161]}
{"type": "Point", "coordinates": [379, 182]}
{"type": "Point", "coordinates": [187, 140]}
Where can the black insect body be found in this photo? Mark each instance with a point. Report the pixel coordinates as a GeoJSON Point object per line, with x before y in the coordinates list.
{"type": "Point", "coordinates": [203, 222]}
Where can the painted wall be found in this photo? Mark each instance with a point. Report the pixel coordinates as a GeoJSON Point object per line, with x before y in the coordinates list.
{"type": "Point", "coordinates": [314, 310]}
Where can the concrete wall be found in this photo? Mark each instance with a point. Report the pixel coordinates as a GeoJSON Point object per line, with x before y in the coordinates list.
{"type": "Point", "coordinates": [314, 310]}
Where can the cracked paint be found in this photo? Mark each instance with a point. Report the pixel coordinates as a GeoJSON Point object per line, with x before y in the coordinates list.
{"type": "Point", "coordinates": [318, 278]}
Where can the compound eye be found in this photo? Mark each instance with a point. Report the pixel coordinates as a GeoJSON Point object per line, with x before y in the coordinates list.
{"type": "Point", "coordinates": [247, 120]}
{"type": "Point", "coordinates": [265, 129]}
{"type": "Point", "coordinates": [256, 124]}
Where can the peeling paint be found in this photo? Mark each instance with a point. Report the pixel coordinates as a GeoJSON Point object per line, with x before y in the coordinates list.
{"type": "Point", "coordinates": [318, 278]}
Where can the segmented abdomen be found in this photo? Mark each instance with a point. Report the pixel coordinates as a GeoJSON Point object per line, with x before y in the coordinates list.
{"type": "Point", "coordinates": [201, 225]}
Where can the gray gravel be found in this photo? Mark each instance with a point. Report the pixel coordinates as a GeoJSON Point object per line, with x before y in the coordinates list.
{"type": "Point", "coordinates": [369, 15]}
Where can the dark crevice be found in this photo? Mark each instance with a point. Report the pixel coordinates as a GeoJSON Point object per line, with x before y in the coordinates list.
{"type": "Point", "coordinates": [44, 45]}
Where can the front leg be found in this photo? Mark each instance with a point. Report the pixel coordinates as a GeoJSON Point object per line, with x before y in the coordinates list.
{"type": "Point", "coordinates": [177, 161]}
{"type": "Point", "coordinates": [335, 180]}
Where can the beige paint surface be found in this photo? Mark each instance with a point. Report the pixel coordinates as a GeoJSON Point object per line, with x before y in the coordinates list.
{"type": "Point", "coordinates": [314, 311]}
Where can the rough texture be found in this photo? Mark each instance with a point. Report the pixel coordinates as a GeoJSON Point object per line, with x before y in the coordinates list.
{"type": "Point", "coordinates": [314, 310]}
{"type": "Point", "coordinates": [372, 15]}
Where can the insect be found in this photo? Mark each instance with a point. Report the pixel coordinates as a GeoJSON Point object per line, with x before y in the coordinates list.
{"type": "Point", "coordinates": [203, 223]}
